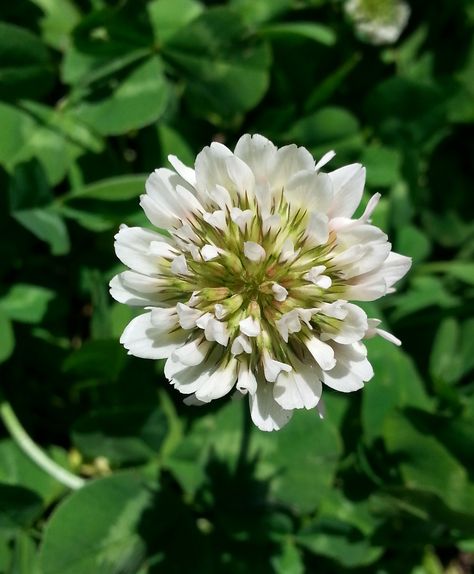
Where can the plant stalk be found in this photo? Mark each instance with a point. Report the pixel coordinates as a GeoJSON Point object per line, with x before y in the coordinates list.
{"type": "Point", "coordinates": [33, 451]}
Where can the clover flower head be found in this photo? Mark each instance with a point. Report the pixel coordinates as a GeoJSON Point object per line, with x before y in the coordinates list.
{"type": "Point", "coordinates": [378, 21]}
{"type": "Point", "coordinates": [250, 288]}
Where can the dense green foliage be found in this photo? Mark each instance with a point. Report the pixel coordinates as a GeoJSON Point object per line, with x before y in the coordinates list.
{"type": "Point", "coordinates": [96, 94]}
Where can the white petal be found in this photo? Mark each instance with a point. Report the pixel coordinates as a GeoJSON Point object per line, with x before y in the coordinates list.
{"type": "Point", "coordinates": [209, 252]}
{"type": "Point", "coordinates": [266, 413]}
{"type": "Point", "coordinates": [217, 219]}
{"type": "Point", "coordinates": [375, 284]}
{"type": "Point", "coordinates": [241, 218]}
{"type": "Point", "coordinates": [221, 197]}
{"type": "Point", "coordinates": [241, 344]}
{"type": "Point", "coordinates": [145, 340]}
{"type": "Point", "coordinates": [250, 326]}
{"type": "Point", "coordinates": [351, 370]}
{"type": "Point", "coordinates": [370, 207]}
{"type": "Point", "coordinates": [216, 331]}
{"type": "Point", "coordinates": [220, 311]}
{"type": "Point", "coordinates": [246, 383]}
{"type": "Point", "coordinates": [217, 165]}
{"type": "Point", "coordinates": [342, 379]}
{"type": "Point", "coordinates": [187, 381]}
{"type": "Point", "coordinates": [136, 289]}
{"type": "Point", "coordinates": [280, 292]}
{"type": "Point", "coordinates": [187, 316]}
{"type": "Point", "coordinates": [179, 266]}
{"type": "Point", "coordinates": [299, 389]}
{"type": "Point", "coordinates": [289, 160]}
{"type": "Point", "coordinates": [322, 353]}
{"type": "Point", "coordinates": [189, 355]}
{"type": "Point", "coordinates": [348, 182]}
{"type": "Point", "coordinates": [258, 153]}
{"type": "Point", "coordinates": [162, 204]}
{"type": "Point", "coordinates": [132, 246]}
{"type": "Point", "coordinates": [315, 276]}
{"type": "Point", "coordinates": [327, 157]}
{"type": "Point", "coordinates": [310, 190]}
{"type": "Point", "coordinates": [192, 353]}
{"type": "Point", "coordinates": [273, 368]}
{"type": "Point", "coordinates": [373, 330]}
{"type": "Point", "coordinates": [317, 230]}
{"type": "Point", "coordinates": [395, 267]}
{"type": "Point", "coordinates": [337, 310]}
{"type": "Point", "coordinates": [288, 252]}
{"type": "Point", "coordinates": [204, 320]}
{"type": "Point", "coordinates": [219, 383]}
{"type": "Point", "coordinates": [184, 171]}
{"type": "Point", "coordinates": [388, 337]}
{"type": "Point", "coordinates": [271, 223]}
{"type": "Point", "coordinates": [165, 318]}
{"type": "Point", "coordinates": [352, 328]}
{"type": "Point", "coordinates": [254, 251]}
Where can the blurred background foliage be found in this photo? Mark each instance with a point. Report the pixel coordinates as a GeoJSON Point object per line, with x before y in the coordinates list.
{"type": "Point", "coordinates": [93, 96]}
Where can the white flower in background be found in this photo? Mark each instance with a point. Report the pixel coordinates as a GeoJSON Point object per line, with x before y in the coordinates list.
{"type": "Point", "coordinates": [250, 290]}
{"type": "Point", "coordinates": [378, 21]}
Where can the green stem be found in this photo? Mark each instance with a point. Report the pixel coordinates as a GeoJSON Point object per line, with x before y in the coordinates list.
{"type": "Point", "coordinates": [33, 451]}
{"type": "Point", "coordinates": [245, 438]}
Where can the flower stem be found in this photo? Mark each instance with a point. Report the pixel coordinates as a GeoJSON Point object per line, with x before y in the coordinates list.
{"type": "Point", "coordinates": [33, 451]}
{"type": "Point", "coordinates": [245, 438]}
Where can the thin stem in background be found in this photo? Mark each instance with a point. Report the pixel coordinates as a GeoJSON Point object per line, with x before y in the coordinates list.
{"type": "Point", "coordinates": [33, 451]}
{"type": "Point", "coordinates": [245, 438]}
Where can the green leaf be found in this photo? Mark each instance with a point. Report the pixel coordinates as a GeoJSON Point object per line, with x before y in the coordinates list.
{"type": "Point", "coordinates": [299, 476]}
{"type": "Point", "coordinates": [396, 384]}
{"type": "Point", "coordinates": [173, 143]}
{"type": "Point", "coordinates": [16, 124]}
{"type": "Point", "coordinates": [289, 561]}
{"type": "Point", "coordinates": [24, 555]}
{"type": "Point", "coordinates": [25, 65]}
{"type": "Point", "coordinates": [76, 135]}
{"type": "Point", "coordinates": [168, 16]}
{"type": "Point", "coordinates": [326, 87]}
{"type": "Point", "coordinates": [445, 360]}
{"type": "Point", "coordinates": [258, 11]}
{"type": "Point", "coordinates": [29, 187]}
{"type": "Point", "coordinates": [53, 137]}
{"type": "Point", "coordinates": [383, 166]}
{"type": "Point", "coordinates": [26, 303]}
{"type": "Point", "coordinates": [58, 22]}
{"type": "Point", "coordinates": [7, 336]}
{"type": "Point", "coordinates": [124, 435]}
{"type": "Point", "coordinates": [114, 189]}
{"type": "Point", "coordinates": [425, 292]}
{"type": "Point", "coordinates": [18, 469]}
{"type": "Point", "coordinates": [96, 529]}
{"type": "Point", "coordinates": [88, 361]}
{"type": "Point", "coordinates": [339, 541]}
{"type": "Point", "coordinates": [412, 242]}
{"type": "Point", "coordinates": [213, 58]}
{"type": "Point", "coordinates": [310, 30]}
{"type": "Point", "coordinates": [138, 99]}
{"type": "Point", "coordinates": [461, 270]}
{"type": "Point", "coordinates": [342, 531]}
{"type": "Point", "coordinates": [328, 128]}
{"type": "Point", "coordinates": [302, 476]}
{"type": "Point", "coordinates": [409, 438]}
{"type": "Point", "coordinates": [47, 225]}
{"type": "Point", "coordinates": [105, 204]}
{"type": "Point", "coordinates": [19, 507]}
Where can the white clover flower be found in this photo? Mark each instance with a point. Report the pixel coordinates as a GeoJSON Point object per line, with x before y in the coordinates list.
{"type": "Point", "coordinates": [378, 21]}
{"type": "Point", "coordinates": [250, 289]}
